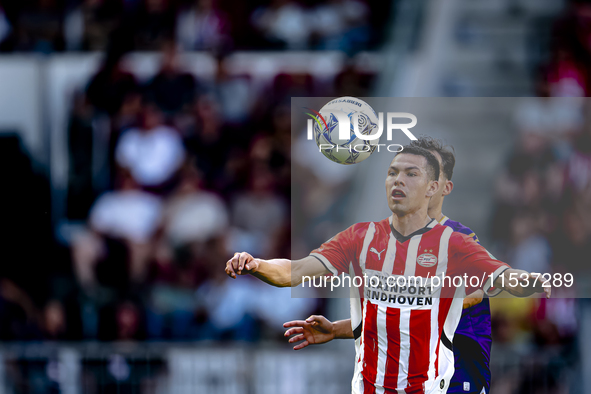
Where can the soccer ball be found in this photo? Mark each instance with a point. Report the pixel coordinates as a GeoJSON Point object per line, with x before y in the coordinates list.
{"type": "Point", "coordinates": [326, 130]}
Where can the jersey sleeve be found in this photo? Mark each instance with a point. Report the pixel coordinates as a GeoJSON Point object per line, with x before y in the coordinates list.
{"type": "Point", "coordinates": [470, 258]}
{"type": "Point", "coordinates": [338, 252]}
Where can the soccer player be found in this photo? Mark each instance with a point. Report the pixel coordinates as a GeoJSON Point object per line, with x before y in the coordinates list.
{"type": "Point", "coordinates": [472, 339]}
{"type": "Point", "coordinates": [418, 315]}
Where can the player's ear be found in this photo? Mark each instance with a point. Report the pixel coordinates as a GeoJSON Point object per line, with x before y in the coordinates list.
{"type": "Point", "coordinates": [449, 186]}
{"type": "Point", "coordinates": [432, 188]}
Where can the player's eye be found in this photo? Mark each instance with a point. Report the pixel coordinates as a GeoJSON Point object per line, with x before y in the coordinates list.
{"type": "Point", "coordinates": [412, 174]}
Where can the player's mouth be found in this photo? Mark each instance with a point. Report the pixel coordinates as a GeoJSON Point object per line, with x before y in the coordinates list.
{"type": "Point", "coordinates": [398, 194]}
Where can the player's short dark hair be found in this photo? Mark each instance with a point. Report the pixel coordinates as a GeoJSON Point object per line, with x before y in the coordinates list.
{"type": "Point", "coordinates": [448, 157]}
{"type": "Point", "coordinates": [432, 162]}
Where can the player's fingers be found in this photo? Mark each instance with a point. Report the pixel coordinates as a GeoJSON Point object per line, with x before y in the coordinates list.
{"type": "Point", "coordinates": [548, 291]}
{"type": "Point", "coordinates": [243, 259]}
{"type": "Point", "coordinates": [251, 265]}
{"type": "Point", "coordinates": [301, 345]}
{"type": "Point", "coordinates": [292, 331]}
{"type": "Point", "coordinates": [234, 262]}
{"type": "Point", "coordinates": [297, 338]}
{"type": "Point", "coordinates": [314, 318]}
{"type": "Point", "coordinates": [230, 270]}
{"type": "Point", "coordinates": [294, 323]}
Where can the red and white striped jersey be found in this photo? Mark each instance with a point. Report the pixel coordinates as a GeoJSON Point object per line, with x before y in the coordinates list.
{"type": "Point", "coordinates": [408, 326]}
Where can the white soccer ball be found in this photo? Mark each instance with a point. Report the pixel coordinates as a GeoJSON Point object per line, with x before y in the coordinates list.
{"type": "Point", "coordinates": [326, 130]}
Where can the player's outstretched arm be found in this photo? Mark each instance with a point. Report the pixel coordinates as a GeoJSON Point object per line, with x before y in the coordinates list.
{"type": "Point", "coordinates": [317, 329]}
{"type": "Point", "coordinates": [276, 272]}
{"type": "Point", "coordinates": [520, 283]}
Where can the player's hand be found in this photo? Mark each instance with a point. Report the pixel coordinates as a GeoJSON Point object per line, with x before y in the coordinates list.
{"type": "Point", "coordinates": [527, 283]}
{"type": "Point", "coordinates": [312, 331]}
{"type": "Point", "coordinates": [532, 286]}
{"type": "Point", "coordinates": [241, 264]}
{"type": "Point", "coordinates": [473, 299]}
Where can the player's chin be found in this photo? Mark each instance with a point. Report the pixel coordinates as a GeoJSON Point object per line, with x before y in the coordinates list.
{"type": "Point", "coordinates": [396, 206]}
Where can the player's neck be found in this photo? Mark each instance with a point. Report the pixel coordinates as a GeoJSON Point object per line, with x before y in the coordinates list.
{"type": "Point", "coordinates": [411, 222]}
{"type": "Point", "coordinates": [436, 213]}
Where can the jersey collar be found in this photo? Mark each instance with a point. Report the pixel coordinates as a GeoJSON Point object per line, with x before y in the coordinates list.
{"type": "Point", "coordinates": [402, 239]}
{"type": "Point", "coordinates": [443, 220]}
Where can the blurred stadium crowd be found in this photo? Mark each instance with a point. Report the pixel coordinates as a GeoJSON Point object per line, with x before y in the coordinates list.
{"type": "Point", "coordinates": [195, 169]}
{"type": "Point", "coordinates": [47, 26]}
{"type": "Point", "coordinates": [541, 218]}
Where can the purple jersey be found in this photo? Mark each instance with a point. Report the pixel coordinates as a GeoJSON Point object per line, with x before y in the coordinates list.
{"type": "Point", "coordinates": [472, 339]}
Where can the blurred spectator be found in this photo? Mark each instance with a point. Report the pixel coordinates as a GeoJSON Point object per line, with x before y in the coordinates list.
{"type": "Point", "coordinates": [110, 85]}
{"type": "Point", "coordinates": [171, 89]}
{"type": "Point", "coordinates": [203, 26]}
{"type": "Point", "coordinates": [54, 321]}
{"type": "Point", "coordinates": [153, 24]}
{"type": "Point", "coordinates": [530, 250]}
{"type": "Point", "coordinates": [192, 214]}
{"type": "Point", "coordinates": [81, 193]}
{"type": "Point", "coordinates": [258, 214]}
{"type": "Point", "coordinates": [567, 75]}
{"type": "Point", "coordinates": [234, 93]}
{"type": "Point", "coordinates": [88, 25]}
{"type": "Point", "coordinates": [214, 145]}
{"type": "Point", "coordinates": [126, 214]}
{"type": "Point", "coordinates": [19, 318]}
{"type": "Point", "coordinates": [228, 308]}
{"type": "Point", "coordinates": [39, 27]}
{"type": "Point", "coordinates": [284, 24]}
{"type": "Point", "coordinates": [341, 25]}
{"type": "Point", "coordinates": [153, 152]}
{"type": "Point", "coordinates": [128, 322]}
{"type": "Point", "coordinates": [549, 120]}
{"type": "Point", "coordinates": [5, 27]}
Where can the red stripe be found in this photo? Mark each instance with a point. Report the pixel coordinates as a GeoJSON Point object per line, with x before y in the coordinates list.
{"type": "Point", "coordinates": [370, 343]}
{"type": "Point", "coordinates": [420, 335]}
{"type": "Point", "coordinates": [393, 359]}
{"type": "Point", "coordinates": [400, 260]}
{"type": "Point", "coordinates": [368, 387]}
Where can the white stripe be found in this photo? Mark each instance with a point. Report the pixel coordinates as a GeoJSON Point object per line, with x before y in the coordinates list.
{"type": "Point", "coordinates": [362, 347]}
{"type": "Point", "coordinates": [362, 257]}
{"type": "Point", "coordinates": [357, 381]}
{"type": "Point", "coordinates": [442, 259]}
{"type": "Point", "coordinates": [489, 283]}
{"type": "Point", "coordinates": [327, 263]}
{"type": "Point", "coordinates": [382, 348]}
{"type": "Point", "coordinates": [433, 339]}
{"type": "Point", "coordinates": [443, 220]}
{"type": "Point", "coordinates": [404, 348]}
{"type": "Point", "coordinates": [381, 319]}
{"type": "Point", "coordinates": [443, 247]}
{"type": "Point", "coordinates": [371, 230]}
{"type": "Point", "coordinates": [432, 223]}
{"type": "Point", "coordinates": [355, 301]}
{"type": "Point", "coordinates": [390, 255]}
{"type": "Point", "coordinates": [411, 256]}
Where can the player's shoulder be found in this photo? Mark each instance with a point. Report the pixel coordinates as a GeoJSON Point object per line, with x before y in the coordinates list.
{"type": "Point", "coordinates": [361, 229]}
{"type": "Point", "coordinates": [458, 238]}
{"type": "Point", "coordinates": [458, 227]}
{"type": "Point", "coordinates": [365, 226]}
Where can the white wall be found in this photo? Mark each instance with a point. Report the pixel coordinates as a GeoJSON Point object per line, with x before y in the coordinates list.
{"type": "Point", "coordinates": [20, 101]}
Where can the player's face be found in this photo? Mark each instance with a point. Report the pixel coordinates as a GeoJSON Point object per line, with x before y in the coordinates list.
{"type": "Point", "coordinates": [408, 186]}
